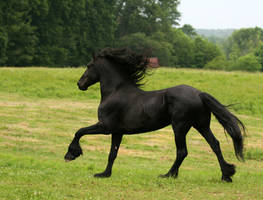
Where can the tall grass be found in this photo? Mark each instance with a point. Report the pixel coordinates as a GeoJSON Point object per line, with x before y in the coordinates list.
{"type": "Point", "coordinates": [239, 88]}
{"type": "Point", "coordinates": [40, 109]}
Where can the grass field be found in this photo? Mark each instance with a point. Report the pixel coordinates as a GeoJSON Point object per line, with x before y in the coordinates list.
{"type": "Point", "coordinates": [41, 108]}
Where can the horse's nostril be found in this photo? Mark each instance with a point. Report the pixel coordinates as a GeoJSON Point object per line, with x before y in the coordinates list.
{"type": "Point", "coordinates": [81, 86]}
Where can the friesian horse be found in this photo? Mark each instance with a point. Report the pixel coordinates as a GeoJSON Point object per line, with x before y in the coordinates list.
{"type": "Point", "coordinates": [126, 109]}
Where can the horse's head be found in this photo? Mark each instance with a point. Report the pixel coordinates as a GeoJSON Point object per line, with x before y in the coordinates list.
{"type": "Point", "coordinates": [115, 64]}
{"type": "Point", "coordinates": [90, 76]}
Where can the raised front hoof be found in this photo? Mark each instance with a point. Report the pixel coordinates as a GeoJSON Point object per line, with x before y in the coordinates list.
{"type": "Point", "coordinates": [226, 179]}
{"type": "Point", "coordinates": [168, 175]}
{"type": "Point", "coordinates": [72, 154]}
{"type": "Point", "coordinates": [69, 157]}
{"type": "Point", "coordinates": [102, 175]}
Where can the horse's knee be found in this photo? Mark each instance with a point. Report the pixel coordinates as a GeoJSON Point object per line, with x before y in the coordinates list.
{"type": "Point", "coordinates": [79, 133]}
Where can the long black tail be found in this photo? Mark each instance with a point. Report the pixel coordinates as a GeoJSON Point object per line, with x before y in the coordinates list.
{"type": "Point", "coordinates": [232, 125]}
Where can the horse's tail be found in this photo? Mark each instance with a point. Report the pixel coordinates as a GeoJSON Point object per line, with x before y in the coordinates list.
{"type": "Point", "coordinates": [232, 125]}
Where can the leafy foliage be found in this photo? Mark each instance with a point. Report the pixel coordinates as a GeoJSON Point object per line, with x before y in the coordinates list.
{"type": "Point", "coordinates": [53, 32]}
{"type": "Point", "coordinates": [146, 16]}
{"type": "Point", "coordinates": [65, 33]}
{"type": "Point", "coordinates": [243, 42]}
{"type": "Point", "coordinates": [243, 50]}
{"type": "Point", "coordinates": [259, 55]}
{"type": "Point", "coordinates": [189, 30]}
{"type": "Point", "coordinates": [204, 52]}
{"type": "Point", "coordinates": [248, 62]}
{"type": "Point", "coordinates": [218, 63]}
{"type": "Point", "coordinates": [3, 46]}
{"type": "Point", "coordinates": [160, 48]}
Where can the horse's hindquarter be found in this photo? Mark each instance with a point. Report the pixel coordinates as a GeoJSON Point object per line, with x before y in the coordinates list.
{"type": "Point", "coordinates": [184, 102]}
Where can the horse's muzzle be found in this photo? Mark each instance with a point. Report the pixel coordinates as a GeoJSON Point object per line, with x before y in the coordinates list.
{"type": "Point", "coordinates": [82, 87]}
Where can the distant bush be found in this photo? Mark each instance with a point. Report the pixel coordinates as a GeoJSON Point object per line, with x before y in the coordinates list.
{"type": "Point", "coordinates": [248, 62]}
{"type": "Point", "coordinates": [259, 54]}
{"type": "Point", "coordinates": [218, 63]}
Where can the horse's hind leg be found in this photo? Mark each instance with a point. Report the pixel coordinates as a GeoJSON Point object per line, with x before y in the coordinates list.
{"type": "Point", "coordinates": [227, 169]}
{"type": "Point", "coordinates": [180, 131]}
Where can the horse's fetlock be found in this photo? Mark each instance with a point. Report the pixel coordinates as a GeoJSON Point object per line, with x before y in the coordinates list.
{"type": "Point", "coordinates": [228, 170]}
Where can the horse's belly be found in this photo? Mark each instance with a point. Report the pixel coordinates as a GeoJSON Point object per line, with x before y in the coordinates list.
{"type": "Point", "coordinates": [139, 122]}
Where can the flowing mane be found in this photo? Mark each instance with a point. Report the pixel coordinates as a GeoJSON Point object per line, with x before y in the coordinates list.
{"type": "Point", "coordinates": [135, 64]}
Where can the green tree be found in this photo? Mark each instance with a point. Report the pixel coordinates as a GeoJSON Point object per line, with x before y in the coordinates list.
{"type": "Point", "coordinates": [183, 48]}
{"type": "Point", "coordinates": [188, 30]}
{"type": "Point", "coordinates": [3, 37]}
{"type": "Point", "coordinates": [52, 23]}
{"type": "Point", "coordinates": [243, 41]}
{"type": "Point", "coordinates": [153, 45]}
{"type": "Point", "coordinates": [163, 49]}
{"type": "Point", "coordinates": [101, 25]}
{"type": "Point", "coordinates": [205, 51]}
{"type": "Point", "coordinates": [259, 55]}
{"type": "Point", "coordinates": [248, 62]}
{"type": "Point", "coordinates": [145, 16]}
{"type": "Point", "coordinates": [69, 30]}
{"type": "Point", "coordinates": [3, 46]}
{"type": "Point", "coordinates": [66, 32]}
{"type": "Point", "coordinates": [218, 63]}
{"type": "Point", "coordinates": [16, 21]}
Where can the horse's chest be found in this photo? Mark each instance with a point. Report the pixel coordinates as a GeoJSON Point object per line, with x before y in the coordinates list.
{"type": "Point", "coordinates": [109, 113]}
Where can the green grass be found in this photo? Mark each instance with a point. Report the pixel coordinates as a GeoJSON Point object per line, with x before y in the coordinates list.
{"type": "Point", "coordinates": [41, 108]}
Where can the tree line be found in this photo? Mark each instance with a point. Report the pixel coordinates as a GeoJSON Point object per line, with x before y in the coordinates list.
{"type": "Point", "coordinates": [66, 32]}
{"type": "Point", "coordinates": [54, 32]}
{"type": "Point", "coordinates": [242, 50]}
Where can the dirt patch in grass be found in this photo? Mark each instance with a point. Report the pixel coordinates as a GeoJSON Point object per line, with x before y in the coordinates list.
{"type": "Point", "coordinates": [51, 104]}
{"type": "Point", "coordinates": [21, 139]}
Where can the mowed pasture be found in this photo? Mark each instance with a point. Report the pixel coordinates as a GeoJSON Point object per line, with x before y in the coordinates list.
{"type": "Point", "coordinates": [42, 108]}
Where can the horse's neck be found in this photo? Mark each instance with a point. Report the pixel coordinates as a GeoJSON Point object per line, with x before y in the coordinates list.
{"type": "Point", "coordinates": [111, 80]}
{"type": "Point", "coordinates": [111, 84]}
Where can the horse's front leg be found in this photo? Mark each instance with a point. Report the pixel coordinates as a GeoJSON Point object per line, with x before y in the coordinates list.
{"type": "Point", "coordinates": [74, 149]}
{"type": "Point", "coordinates": [115, 144]}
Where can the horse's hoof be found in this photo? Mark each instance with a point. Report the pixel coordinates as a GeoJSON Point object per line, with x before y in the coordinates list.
{"type": "Point", "coordinates": [164, 176]}
{"type": "Point", "coordinates": [69, 157]}
{"type": "Point", "coordinates": [226, 179]}
{"type": "Point", "coordinates": [102, 175]}
{"type": "Point", "coordinates": [168, 175]}
{"type": "Point", "coordinates": [74, 151]}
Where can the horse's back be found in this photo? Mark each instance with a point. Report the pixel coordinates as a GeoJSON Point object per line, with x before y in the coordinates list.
{"type": "Point", "coordinates": [184, 92]}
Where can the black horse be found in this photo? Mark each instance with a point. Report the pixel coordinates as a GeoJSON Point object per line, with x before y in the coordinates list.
{"type": "Point", "coordinates": [126, 109]}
